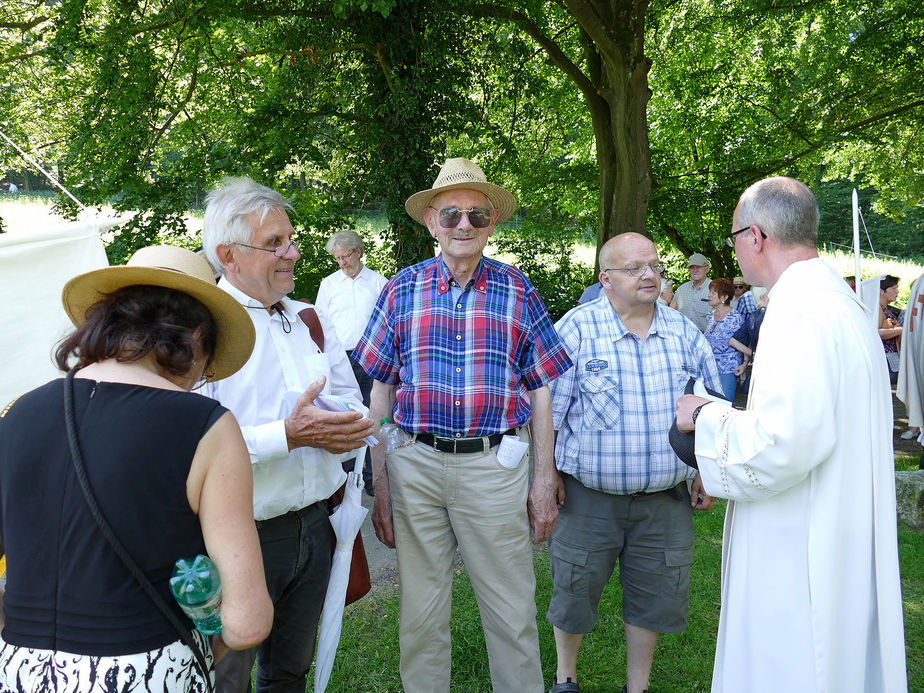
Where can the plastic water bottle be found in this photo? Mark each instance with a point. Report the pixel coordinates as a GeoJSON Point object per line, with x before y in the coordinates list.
{"type": "Point", "coordinates": [393, 436]}
{"type": "Point", "coordinates": [197, 589]}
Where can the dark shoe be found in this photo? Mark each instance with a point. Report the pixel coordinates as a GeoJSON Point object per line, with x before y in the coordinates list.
{"type": "Point", "coordinates": [369, 491]}
{"type": "Point", "coordinates": [568, 686]}
{"type": "Point", "coordinates": [625, 689]}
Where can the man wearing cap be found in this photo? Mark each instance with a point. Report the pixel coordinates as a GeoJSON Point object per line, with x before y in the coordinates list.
{"type": "Point", "coordinates": [462, 350]}
{"type": "Point", "coordinates": [294, 446]}
{"type": "Point", "coordinates": [811, 594]}
{"type": "Point", "coordinates": [347, 298]}
{"type": "Point", "coordinates": [626, 496]}
{"type": "Point", "coordinates": [692, 297]}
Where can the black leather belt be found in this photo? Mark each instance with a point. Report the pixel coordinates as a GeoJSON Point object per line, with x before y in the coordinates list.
{"type": "Point", "coordinates": [462, 445]}
{"type": "Point", "coordinates": [674, 492]}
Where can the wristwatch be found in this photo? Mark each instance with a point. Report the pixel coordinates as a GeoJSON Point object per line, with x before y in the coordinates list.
{"type": "Point", "coordinates": [696, 413]}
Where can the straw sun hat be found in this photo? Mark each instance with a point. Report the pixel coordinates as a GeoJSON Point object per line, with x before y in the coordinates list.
{"type": "Point", "coordinates": [461, 174]}
{"type": "Point", "coordinates": [172, 268]}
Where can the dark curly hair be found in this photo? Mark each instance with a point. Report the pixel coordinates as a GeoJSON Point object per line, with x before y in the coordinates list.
{"type": "Point", "coordinates": [723, 288]}
{"type": "Point", "coordinates": [138, 320]}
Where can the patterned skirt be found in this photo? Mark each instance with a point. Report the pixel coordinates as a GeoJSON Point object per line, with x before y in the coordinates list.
{"type": "Point", "coordinates": [169, 668]}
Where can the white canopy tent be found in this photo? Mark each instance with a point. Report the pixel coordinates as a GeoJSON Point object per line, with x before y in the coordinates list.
{"type": "Point", "coordinates": [34, 266]}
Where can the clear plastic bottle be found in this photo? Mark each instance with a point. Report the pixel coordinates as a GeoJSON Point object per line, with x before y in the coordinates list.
{"type": "Point", "coordinates": [197, 589]}
{"type": "Point", "coordinates": [393, 436]}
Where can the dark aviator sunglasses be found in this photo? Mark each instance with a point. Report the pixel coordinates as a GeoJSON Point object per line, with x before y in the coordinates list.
{"type": "Point", "coordinates": [449, 217]}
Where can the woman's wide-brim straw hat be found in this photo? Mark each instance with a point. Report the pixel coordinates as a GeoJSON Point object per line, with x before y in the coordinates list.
{"type": "Point", "coordinates": [461, 174]}
{"type": "Point", "coordinates": [172, 268]}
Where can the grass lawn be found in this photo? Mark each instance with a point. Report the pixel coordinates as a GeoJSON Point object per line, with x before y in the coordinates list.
{"type": "Point", "coordinates": [368, 656]}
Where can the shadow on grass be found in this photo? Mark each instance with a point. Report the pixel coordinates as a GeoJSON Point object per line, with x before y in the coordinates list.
{"type": "Point", "coordinates": [368, 658]}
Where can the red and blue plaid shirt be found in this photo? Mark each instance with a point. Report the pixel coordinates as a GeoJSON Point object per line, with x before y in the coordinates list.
{"type": "Point", "coordinates": [463, 367]}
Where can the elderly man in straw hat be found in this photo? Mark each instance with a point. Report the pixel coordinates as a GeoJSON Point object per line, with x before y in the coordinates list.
{"type": "Point", "coordinates": [462, 350]}
{"type": "Point", "coordinates": [294, 446]}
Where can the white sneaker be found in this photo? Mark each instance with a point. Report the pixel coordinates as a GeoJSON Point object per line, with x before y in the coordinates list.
{"type": "Point", "coordinates": [909, 434]}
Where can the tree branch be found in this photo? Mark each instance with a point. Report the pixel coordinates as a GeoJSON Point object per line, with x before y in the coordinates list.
{"type": "Point", "coordinates": [556, 55]}
{"type": "Point", "coordinates": [161, 131]}
{"type": "Point", "coordinates": [25, 26]}
{"type": "Point", "coordinates": [310, 51]}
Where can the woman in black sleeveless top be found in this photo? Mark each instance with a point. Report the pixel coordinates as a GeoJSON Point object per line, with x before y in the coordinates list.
{"type": "Point", "coordinates": [169, 470]}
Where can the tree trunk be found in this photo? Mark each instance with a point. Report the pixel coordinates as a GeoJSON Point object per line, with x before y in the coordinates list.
{"type": "Point", "coordinates": [613, 35]}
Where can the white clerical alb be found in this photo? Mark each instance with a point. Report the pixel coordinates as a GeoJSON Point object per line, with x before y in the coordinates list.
{"type": "Point", "coordinates": [348, 302]}
{"type": "Point", "coordinates": [910, 388]}
{"type": "Point", "coordinates": [811, 596]}
{"type": "Point", "coordinates": [261, 395]}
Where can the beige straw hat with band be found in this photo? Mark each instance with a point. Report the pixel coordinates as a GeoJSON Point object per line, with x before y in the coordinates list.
{"type": "Point", "coordinates": [461, 174]}
{"type": "Point", "coordinates": [172, 268]}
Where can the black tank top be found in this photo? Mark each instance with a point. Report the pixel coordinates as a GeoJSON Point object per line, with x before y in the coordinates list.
{"type": "Point", "coordinates": [66, 589]}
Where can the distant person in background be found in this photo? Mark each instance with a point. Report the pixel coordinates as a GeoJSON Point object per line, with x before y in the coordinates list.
{"type": "Point", "coordinates": [590, 293]}
{"type": "Point", "coordinates": [743, 300]}
{"type": "Point", "coordinates": [910, 387]}
{"type": "Point", "coordinates": [14, 188]}
{"type": "Point", "coordinates": [721, 326]}
{"type": "Point", "coordinates": [890, 323]}
{"type": "Point", "coordinates": [667, 294]}
{"type": "Point", "coordinates": [851, 281]}
{"type": "Point", "coordinates": [692, 297]}
{"type": "Point", "coordinates": [347, 298]}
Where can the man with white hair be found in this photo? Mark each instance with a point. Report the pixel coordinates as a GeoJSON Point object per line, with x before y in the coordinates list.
{"type": "Point", "coordinates": [811, 596]}
{"type": "Point", "coordinates": [294, 445]}
{"type": "Point", "coordinates": [347, 297]}
{"type": "Point", "coordinates": [692, 297]}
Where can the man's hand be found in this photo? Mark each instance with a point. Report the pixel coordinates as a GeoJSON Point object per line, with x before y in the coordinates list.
{"type": "Point", "coordinates": [699, 499]}
{"type": "Point", "coordinates": [545, 498]}
{"type": "Point", "coordinates": [381, 512]}
{"type": "Point", "coordinates": [311, 427]}
{"type": "Point", "coordinates": [685, 406]}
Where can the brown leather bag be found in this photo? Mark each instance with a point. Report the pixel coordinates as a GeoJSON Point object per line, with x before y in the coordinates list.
{"type": "Point", "coordinates": [360, 583]}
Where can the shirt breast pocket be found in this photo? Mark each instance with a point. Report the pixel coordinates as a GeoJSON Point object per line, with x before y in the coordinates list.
{"type": "Point", "coordinates": [601, 402]}
{"type": "Point", "coordinates": [681, 378]}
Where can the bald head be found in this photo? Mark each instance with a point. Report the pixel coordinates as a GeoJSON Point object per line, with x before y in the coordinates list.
{"type": "Point", "coordinates": [615, 251]}
{"type": "Point", "coordinates": [784, 208]}
{"type": "Point", "coordinates": [627, 293]}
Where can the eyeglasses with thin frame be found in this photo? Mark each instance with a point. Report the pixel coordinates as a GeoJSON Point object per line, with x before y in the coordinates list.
{"type": "Point", "coordinates": [342, 258]}
{"type": "Point", "coordinates": [279, 251]}
{"type": "Point", "coordinates": [638, 271]}
{"type": "Point", "coordinates": [449, 217]}
{"type": "Point", "coordinates": [730, 238]}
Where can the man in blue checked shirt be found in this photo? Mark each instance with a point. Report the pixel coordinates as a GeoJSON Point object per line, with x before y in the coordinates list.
{"type": "Point", "coordinates": [626, 492]}
{"type": "Point", "coordinates": [462, 350]}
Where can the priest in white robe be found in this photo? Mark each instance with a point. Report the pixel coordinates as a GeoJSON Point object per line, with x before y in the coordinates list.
{"type": "Point", "coordinates": [811, 598]}
{"type": "Point", "coordinates": [910, 388]}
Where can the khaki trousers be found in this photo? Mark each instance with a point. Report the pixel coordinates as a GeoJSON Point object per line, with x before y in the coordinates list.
{"type": "Point", "coordinates": [441, 500]}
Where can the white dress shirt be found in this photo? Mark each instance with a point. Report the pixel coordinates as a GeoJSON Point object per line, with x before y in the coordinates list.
{"type": "Point", "coordinates": [348, 302]}
{"type": "Point", "coordinates": [263, 393]}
